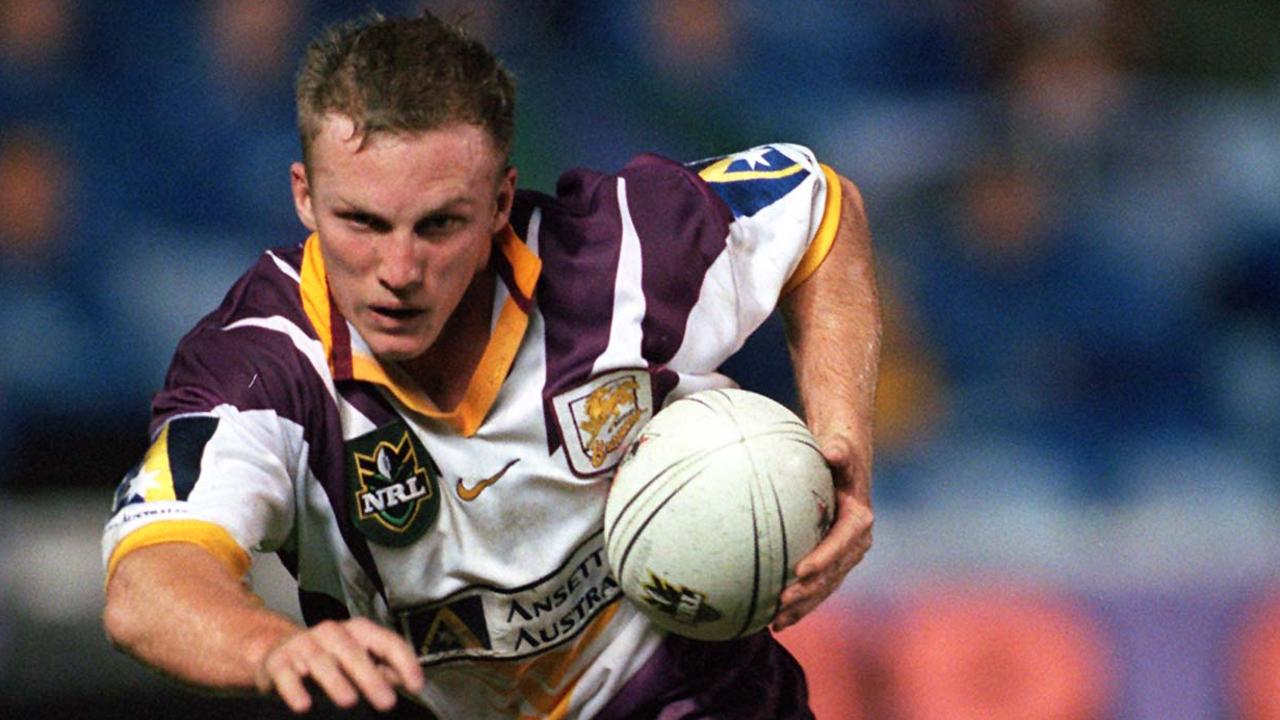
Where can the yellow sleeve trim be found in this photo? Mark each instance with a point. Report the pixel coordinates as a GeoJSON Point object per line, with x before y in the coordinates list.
{"type": "Point", "coordinates": [213, 538]}
{"type": "Point", "coordinates": [823, 239]}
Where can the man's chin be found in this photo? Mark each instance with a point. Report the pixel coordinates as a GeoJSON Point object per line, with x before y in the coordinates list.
{"type": "Point", "coordinates": [397, 353]}
{"type": "Point", "coordinates": [396, 349]}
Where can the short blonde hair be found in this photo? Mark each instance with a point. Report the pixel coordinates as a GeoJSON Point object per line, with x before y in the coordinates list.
{"type": "Point", "coordinates": [403, 75]}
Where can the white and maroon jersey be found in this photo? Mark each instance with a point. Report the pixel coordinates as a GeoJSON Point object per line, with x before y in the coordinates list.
{"type": "Point", "coordinates": [477, 533]}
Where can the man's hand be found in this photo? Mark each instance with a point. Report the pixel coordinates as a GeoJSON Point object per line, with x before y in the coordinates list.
{"type": "Point", "coordinates": [820, 572]}
{"type": "Point", "coordinates": [347, 660]}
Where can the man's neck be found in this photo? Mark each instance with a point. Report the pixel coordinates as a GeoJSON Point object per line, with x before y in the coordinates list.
{"type": "Point", "coordinates": [444, 371]}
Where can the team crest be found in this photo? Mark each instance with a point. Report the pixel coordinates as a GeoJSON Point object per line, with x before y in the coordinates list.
{"type": "Point", "coordinates": [393, 484]}
{"type": "Point", "coordinates": [599, 419]}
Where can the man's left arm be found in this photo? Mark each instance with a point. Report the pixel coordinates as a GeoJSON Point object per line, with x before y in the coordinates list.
{"type": "Point", "coordinates": [833, 333]}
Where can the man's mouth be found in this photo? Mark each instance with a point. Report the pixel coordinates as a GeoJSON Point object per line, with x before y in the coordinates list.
{"type": "Point", "coordinates": [396, 313]}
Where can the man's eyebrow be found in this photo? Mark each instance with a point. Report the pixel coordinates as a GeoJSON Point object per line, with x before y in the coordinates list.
{"type": "Point", "coordinates": [345, 206]}
{"type": "Point", "coordinates": [458, 202]}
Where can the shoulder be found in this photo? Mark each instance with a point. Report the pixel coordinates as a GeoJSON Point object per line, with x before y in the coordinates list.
{"type": "Point", "coordinates": [257, 350]}
{"type": "Point", "coordinates": [591, 208]}
{"type": "Point", "coordinates": [715, 190]}
{"type": "Point", "coordinates": [269, 287]}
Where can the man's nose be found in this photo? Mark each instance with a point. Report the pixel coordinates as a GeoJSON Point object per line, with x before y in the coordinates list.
{"type": "Point", "coordinates": [398, 266]}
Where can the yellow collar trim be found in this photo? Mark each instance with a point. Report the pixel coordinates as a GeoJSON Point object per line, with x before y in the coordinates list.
{"type": "Point", "coordinates": [494, 364]}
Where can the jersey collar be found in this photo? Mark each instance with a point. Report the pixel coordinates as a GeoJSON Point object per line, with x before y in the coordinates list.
{"type": "Point", "coordinates": [349, 358]}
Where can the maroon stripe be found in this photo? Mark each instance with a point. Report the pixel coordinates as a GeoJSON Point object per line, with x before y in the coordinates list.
{"type": "Point", "coordinates": [340, 353]}
{"type": "Point", "coordinates": [683, 227]}
{"type": "Point", "coordinates": [318, 607]}
{"type": "Point", "coordinates": [664, 381]}
{"type": "Point", "coordinates": [263, 291]}
{"type": "Point", "coordinates": [751, 678]}
{"type": "Point", "coordinates": [369, 400]}
{"type": "Point", "coordinates": [578, 244]}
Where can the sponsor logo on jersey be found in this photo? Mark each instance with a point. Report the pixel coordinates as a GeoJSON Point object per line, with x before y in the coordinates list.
{"type": "Point", "coordinates": [393, 484]}
{"type": "Point", "coordinates": [599, 418]}
{"type": "Point", "coordinates": [682, 603]}
{"type": "Point", "coordinates": [456, 627]}
{"type": "Point", "coordinates": [512, 623]}
{"type": "Point", "coordinates": [752, 180]}
{"type": "Point", "coordinates": [471, 493]}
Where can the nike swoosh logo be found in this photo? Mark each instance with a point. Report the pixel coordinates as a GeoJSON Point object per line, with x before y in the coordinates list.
{"type": "Point", "coordinates": [471, 493]}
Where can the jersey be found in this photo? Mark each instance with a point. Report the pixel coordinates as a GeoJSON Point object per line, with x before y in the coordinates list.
{"type": "Point", "coordinates": [477, 533]}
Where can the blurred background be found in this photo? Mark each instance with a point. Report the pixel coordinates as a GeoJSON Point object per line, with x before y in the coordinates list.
{"type": "Point", "coordinates": [1076, 206]}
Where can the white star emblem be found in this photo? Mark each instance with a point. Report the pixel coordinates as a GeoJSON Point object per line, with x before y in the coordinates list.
{"type": "Point", "coordinates": [755, 156]}
{"type": "Point", "coordinates": [144, 482]}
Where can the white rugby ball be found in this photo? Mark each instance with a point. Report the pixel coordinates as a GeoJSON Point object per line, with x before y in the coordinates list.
{"type": "Point", "coordinates": [714, 503]}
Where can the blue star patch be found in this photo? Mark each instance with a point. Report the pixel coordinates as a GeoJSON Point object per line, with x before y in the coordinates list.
{"type": "Point", "coordinates": [752, 180]}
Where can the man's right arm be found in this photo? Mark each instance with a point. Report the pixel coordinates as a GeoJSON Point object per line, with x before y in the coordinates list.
{"type": "Point", "coordinates": [175, 607]}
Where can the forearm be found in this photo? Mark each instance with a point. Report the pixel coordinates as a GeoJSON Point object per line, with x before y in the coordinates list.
{"type": "Point", "coordinates": [176, 608]}
{"type": "Point", "coordinates": [833, 332]}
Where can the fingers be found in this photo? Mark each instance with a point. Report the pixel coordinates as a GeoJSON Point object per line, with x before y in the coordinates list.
{"type": "Point", "coordinates": [331, 676]}
{"type": "Point", "coordinates": [820, 572]}
{"type": "Point", "coordinates": [286, 680]}
{"type": "Point", "coordinates": [844, 544]}
{"type": "Point", "coordinates": [346, 661]}
{"type": "Point", "coordinates": [808, 591]}
{"type": "Point", "coordinates": [398, 664]}
{"type": "Point", "coordinates": [802, 602]}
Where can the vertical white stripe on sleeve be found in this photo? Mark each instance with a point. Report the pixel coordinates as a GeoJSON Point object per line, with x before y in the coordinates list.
{"type": "Point", "coordinates": [625, 331]}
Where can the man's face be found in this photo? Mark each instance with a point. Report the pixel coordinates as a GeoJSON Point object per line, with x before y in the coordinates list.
{"type": "Point", "coordinates": [405, 224]}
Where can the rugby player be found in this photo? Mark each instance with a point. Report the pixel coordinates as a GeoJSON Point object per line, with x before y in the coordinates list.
{"type": "Point", "coordinates": [418, 408]}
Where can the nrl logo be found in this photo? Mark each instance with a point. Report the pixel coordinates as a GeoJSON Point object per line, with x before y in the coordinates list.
{"type": "Point", "coordinates": [393, 484]}
{"type": "Point", "coordinates": [682, 603]}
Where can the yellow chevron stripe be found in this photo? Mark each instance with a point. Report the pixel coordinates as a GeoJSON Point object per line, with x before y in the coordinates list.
{"type": "Point", "coordinates": [156, 477]}
{"type": "Point", "coordinates": [718, 172]}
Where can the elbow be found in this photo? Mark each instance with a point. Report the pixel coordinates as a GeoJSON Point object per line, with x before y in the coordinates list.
{"type": "Point", "coordinates": [120, 617]}
{"type": "Point", "coordinates": [851, 195]}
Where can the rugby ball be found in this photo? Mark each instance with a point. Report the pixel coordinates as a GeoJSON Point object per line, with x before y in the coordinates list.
{"type": "Point", "coordinates": [712, 506]}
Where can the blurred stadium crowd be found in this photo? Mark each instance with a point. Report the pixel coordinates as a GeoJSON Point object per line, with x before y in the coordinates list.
{"type": "Point", "coordinates": [1075, 201]}
{"type": "Point", "coordinates": [1076, 205]}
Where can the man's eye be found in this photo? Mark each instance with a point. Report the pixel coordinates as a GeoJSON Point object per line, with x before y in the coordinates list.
{"type": "Point", "coordinates": [363, 221]}
{"type": "Point", "coordinates": [437, 224]}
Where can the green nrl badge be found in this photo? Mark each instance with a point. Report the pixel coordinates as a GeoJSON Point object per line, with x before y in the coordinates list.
{"type": "Point", "coordinates": [394, 485]}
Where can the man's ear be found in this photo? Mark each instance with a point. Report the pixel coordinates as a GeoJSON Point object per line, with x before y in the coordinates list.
{"type": "Point", "coordinates": [505, 199]}
{"type": "Point", "coordinates": [302, 195]}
